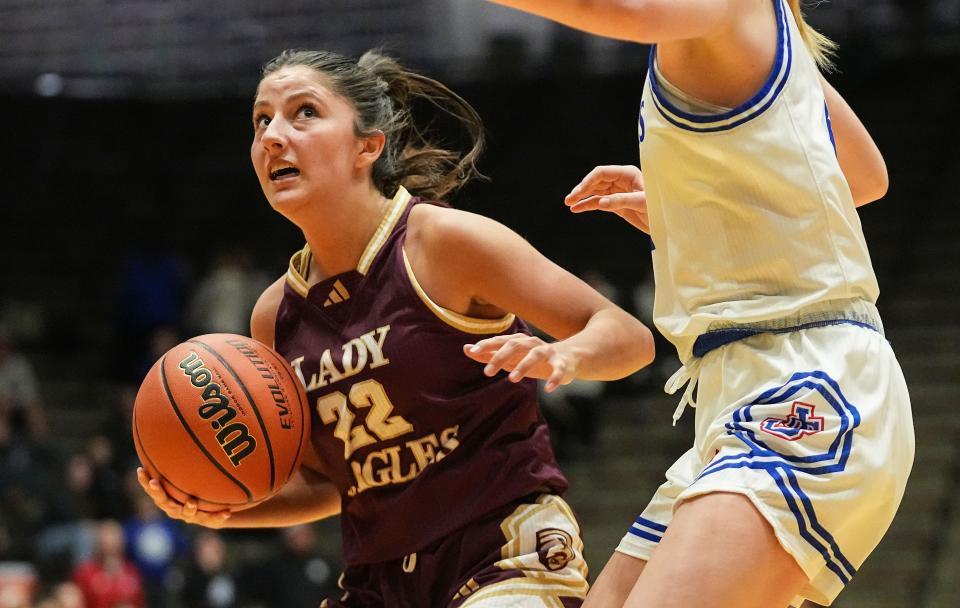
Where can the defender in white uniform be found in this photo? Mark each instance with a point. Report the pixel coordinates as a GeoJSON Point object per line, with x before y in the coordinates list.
{"type": "Point", "coordinates": [804, 436]}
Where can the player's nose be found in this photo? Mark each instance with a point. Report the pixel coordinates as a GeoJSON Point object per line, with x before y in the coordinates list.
{"type": "Point", "coordinates": [274, 137]}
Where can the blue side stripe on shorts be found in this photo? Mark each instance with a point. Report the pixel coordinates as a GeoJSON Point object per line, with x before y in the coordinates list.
{"type": "Point", "coordinates": [647, 529]}
{"type": "Point", "coordinates": [643, 521]}
{"type": "Point", "coordinates": [645, 535]}
{"type": "Point", "coordinates": [815, 523]}
{"type": "Point", "coordinates": [783, 468]}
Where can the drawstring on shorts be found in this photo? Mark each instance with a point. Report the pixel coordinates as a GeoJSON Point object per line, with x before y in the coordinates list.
{"type": "Point", "coordinates": [689, 374]}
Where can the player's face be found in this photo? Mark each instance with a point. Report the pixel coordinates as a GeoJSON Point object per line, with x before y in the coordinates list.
{"type": "Point", "coordinates": [304, 146]}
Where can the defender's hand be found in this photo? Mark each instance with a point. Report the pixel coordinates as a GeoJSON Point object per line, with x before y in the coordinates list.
{"type": "Point", "coordinates": [614, 188]}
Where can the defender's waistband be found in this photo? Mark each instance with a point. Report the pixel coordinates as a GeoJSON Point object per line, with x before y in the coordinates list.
{"type": "Point", "coordinates": [822, 314]}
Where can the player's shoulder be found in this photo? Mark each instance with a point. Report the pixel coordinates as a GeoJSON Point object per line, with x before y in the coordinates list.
{"type": "Point", "coordinates": [437, 229]}
{"type": "Point", "coordinates": [264, 317]}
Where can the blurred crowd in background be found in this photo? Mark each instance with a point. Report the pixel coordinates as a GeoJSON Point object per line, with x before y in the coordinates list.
{"type": "Point", "coordinates": [139, 111]}
{"type": "Point", "coordinates": [76, 529]}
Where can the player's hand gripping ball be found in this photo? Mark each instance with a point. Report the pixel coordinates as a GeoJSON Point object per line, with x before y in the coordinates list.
{"type": "Point", "coordinates": [221, 419]}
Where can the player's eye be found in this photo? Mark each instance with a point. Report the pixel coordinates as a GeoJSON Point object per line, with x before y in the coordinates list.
{"type": "Point", "coordinates": [261, 121]}
{"type": "Point", "coordinates": [306, 111]}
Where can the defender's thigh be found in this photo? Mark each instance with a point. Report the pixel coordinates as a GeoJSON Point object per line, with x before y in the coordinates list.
{"type": "Point", "coordinates": [822, 443]}
{"type": "Point", "coordinates": [711, 536]}
{"type": "Point", "coordinates": [615, 582]}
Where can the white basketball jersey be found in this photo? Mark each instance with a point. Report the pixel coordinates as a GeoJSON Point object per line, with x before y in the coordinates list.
{"type": "Point", "coordinates": [751, 217]}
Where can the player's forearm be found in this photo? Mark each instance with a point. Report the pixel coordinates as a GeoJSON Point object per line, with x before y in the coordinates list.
{"type": "Point", "coordinates": [601, 17]}
{"type": "Point", "coordinates": [305, 498]}
{"type": "Point", "coordinates": [642, 21]}
{"type": "Point", "coordinates": [612, 345]}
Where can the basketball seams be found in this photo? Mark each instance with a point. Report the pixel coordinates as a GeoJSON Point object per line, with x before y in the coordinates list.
{"type": "Point", "coordinates": [196, 440]}
{"type": "Point", "coordinates": [152, 465]}
{"type": "Point", "coordinates": [303, 414]}
{"type": "Point", "coordinates": [253, 405]}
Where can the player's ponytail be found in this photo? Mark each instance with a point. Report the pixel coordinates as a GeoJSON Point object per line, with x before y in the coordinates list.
{"type": "Point", "coordinates": [383, 94]}
{"type": "Point", "coordinates": [413, 158]}
{"type": "Point", "coordinates": [821, 47]}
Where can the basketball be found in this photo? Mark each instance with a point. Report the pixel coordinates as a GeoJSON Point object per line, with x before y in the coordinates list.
{"type": "Point", "coordinates": [223, 419]}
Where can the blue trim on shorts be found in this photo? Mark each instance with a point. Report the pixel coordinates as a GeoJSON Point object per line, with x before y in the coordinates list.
{"type": "Point", "coordinates": [642, 527]}
{"type": "Point", "coordinates": [643, 521]}
{"type": "Point", "coordinates": [713, 340]}
{"type": "Point", "coordinates": [645, 535]}
{"type": "Point", "coordinates": [783, 467]}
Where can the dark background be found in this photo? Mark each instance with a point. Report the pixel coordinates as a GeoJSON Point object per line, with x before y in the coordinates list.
{"type": "Point", "coordinates": [125, 128]}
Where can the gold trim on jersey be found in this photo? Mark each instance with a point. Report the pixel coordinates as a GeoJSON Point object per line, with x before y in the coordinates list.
{"type": "Point", "coordinates": [299, 269]}
{"type": "Point", "coordinates": [299, 263]}
{"type": "Point", "coordinates": [470, 325]}
{"type": "Point", "coordinates": [549, 586]}
{"type": "Point", "coordinates": [394, 211]}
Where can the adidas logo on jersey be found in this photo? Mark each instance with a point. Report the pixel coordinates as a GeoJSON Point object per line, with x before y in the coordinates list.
{"type": "Point", "coordinates": [338, 294]}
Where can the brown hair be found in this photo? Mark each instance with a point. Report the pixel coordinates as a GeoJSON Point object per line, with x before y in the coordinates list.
{"type": "Point", "coordinates": [383, 93]}
{"type": "Point", "coordinates": [821, 47]}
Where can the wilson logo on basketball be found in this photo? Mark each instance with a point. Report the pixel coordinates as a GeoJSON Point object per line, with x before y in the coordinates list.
{"type": "Point", "coordinates": [233, 437]}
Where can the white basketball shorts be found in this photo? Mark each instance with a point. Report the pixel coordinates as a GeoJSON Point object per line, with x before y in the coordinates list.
{"type": "Point", "coordinates": [814, 427]}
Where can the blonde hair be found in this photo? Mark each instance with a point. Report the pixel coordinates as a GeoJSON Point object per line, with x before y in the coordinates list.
{"type": "Point", "coordinates": [820, 46]}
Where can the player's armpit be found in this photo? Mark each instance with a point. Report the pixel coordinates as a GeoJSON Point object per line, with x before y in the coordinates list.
{"type": "Point", "coordinates": [860, 159]}
{"type": "Point", "coordinates": [263, 320]}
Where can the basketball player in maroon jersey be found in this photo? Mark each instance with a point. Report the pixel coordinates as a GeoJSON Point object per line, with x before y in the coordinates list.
{"type": "Point", "coordinates": [399, 316]}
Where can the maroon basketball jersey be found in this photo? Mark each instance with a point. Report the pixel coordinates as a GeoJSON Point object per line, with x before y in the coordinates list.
{"type": "Point", "coordinates": [417, 439]}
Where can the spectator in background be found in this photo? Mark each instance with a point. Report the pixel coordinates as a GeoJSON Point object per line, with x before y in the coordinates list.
{"type": "Point", "coordinates": [116, 430]}
{"type": "Point", "coordinates": [208, 581]}
{"type": "Point", "coordinates": [63, 595]}
{"type": "Point", "coordinates": [109, 579]}
{"type": "Point", "coordinates": [108, 491]}
{"type": "Point", "coordinates": [70, 534]}
{"type": "Point", "coordinates": [224, 298]}
{"type": "Point", "coordinates": [155, 542]}
{"type": "Point", "coordinates": [297, 576]}
{"type": "Point", "coordinates": [160, 340]}
{"type": "Point", "coordinates": [151, 294]}
{"type": "Point", "coordinates": [18, 386]}
{"type": "Point", "coordinates": [28, 483]}
{"type": "Point", "coordinates": [574, 412]}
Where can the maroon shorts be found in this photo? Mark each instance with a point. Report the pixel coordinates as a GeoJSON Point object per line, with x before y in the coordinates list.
{"type": "Point", "coordinates": [525, 554]}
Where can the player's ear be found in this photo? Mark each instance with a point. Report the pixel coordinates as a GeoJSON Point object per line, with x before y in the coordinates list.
{"type": "Point", "coordinates": [371, 147]}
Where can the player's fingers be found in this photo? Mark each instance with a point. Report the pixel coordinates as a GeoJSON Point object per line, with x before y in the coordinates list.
{"type": "Point", "coordinates": [598, 178]}
{"type": "Point", "coordinates": [601, 177]}
{"type": "Point", "coordinates": [484, 349]}
{"type": "Point", "coordinates": [151, 486]}
{"type": "Point", "coordinates": [638, 220]}
{"type": "Point", "coordinates": [591, 203]}
{"type": "Point", "coordinates": [143, 480]}
{"type": "Point", "coordinates": [635, 201]}
{"type": "Point", "coordinates": [525, 366]}
{"type": "Point", "coordinates": [215, 519]}
{"type": "Point", "coordinates": [509, 353]}
{"type": "Point", "coordinates": [560, 374]}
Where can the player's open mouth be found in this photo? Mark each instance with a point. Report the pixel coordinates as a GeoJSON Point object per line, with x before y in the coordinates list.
{"type": "Point", "coordinates": [284, 172]}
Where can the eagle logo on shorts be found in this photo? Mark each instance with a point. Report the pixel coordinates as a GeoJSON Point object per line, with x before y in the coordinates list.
{"type": "Point", "coordinates": [554, 548]}
{"type": "Point", "coordinates": [801, 422]}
